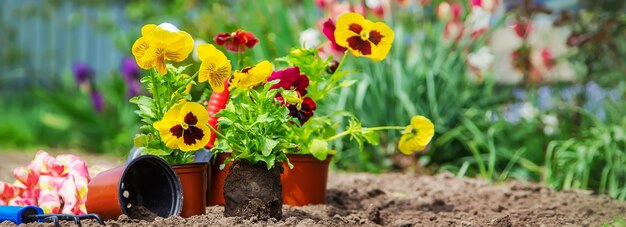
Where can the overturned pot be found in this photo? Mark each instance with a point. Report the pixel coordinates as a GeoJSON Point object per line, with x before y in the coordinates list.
{"type": "Point", "coordinates": [144, 188]}
{"type": "Point", "coordinates": [253, 191]}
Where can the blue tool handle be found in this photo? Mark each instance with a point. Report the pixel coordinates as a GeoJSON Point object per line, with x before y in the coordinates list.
{"type": "Point", "coordinates": [19, 215]}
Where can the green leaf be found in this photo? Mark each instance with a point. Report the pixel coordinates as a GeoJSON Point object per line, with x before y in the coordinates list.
{"type": "Point", "coordinates": [347, 83]}
{"type": "Point", "coordinates": [264, 118]}
{"type": "Point", "coordinates": [291, 96]}
{"type": "Point", "coordinates": [224, 121]}
{"type": "Point", "coordinates": [146, 106]}
{"type": "Point", "coordinates": [141, 140]}
{"type": "Point", "coordinates": [371, 137]}
{"type": "Point", "coordinates": [267, 146]}
{"type": "Point", "coordinates": [319, 149]}
{"type": "Point", "coordinates": [157, 152]}
{"type": "Point", "coordinates": [142, 100]}
{"type": "Point", "coordinates": [269, 161]}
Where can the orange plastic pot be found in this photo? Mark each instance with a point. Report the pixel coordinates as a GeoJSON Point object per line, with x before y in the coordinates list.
{"type": "Point", "coordinates": [146, 181]}
{"type": "Point", "coordinates": [193, 178]}
{"type": "Point", "coordinates": [303, 185]}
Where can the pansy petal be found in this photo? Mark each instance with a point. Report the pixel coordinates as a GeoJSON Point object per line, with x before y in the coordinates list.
{"type": "Point", "coordinates": [147, 29]}
{"type": "Point", "coordinates": [179, 50]}
{"type": "Point", "coordinates": [139, 49]}
{"type": "Point", "coordinates": [197, 111]}
{"type": "Point", "coordinates": [215, 67]}
{"type": "Point", "coordinates": [252, 76]}
{"type": "Point", "coordinates": [195, 137]}
{"type": "Point", "coordinates": [409, 146]}
{"type": "Point", "coordinates": [261, 71]}
{"type": "Point", "coordinates": [382, 37]}
{"type": "Point", "coordinates": [348, 26]}
{"type": "Point", "coordinates": [417, 135]}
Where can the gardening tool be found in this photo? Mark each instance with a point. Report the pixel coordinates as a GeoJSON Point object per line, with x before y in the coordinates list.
{"type": "Point", "coordinates": [27, 214]}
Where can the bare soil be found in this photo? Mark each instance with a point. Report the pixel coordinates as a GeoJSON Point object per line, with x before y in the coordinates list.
{"type": "Point", "coordinates": [396, 199]}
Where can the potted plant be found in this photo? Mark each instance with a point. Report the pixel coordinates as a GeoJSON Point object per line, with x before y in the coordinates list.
{"type": "Point", "coordinates": [308, 78]}
{"type": "Point", "coordinates": [174, 126]}
{"type": "Point", "coordinates": [254, 128]}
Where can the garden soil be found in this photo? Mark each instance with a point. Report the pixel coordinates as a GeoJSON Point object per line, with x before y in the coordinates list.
{"type": "Point", "coordinates": [408, 200]}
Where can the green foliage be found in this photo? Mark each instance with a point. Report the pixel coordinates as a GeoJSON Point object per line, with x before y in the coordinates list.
{"type": "Point", "coordinates": [167, 90]}
{"type": "Point", "coordinates": [595, 160]}
{"type": "Point", "coordinates": [617, 222]}
{"type": "Point", "coordinates": [63, 121]}
{"type": "Point", "coordinates": [256, 128]}
{"type": "Point", "coordinates": [425, 75]}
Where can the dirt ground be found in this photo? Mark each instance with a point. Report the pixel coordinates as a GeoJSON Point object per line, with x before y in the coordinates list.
{"type": "Point", "coordinates": [407, 200]}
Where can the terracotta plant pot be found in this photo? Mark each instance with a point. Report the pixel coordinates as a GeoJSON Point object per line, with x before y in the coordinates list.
{"type": "Point", "coordinates": [193, 178]}
{"type": "Point", "coordinates": [303, 185]}
{"type": "Point", "coordinates": [145, 184]}
{"type": "Point", "coordinates": [306, 183]}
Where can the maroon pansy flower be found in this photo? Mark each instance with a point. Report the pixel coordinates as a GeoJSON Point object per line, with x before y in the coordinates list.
{"type": "Point", "coordinates": [290, 79]}
{"type": "Point", "coordinates": [304, 111]}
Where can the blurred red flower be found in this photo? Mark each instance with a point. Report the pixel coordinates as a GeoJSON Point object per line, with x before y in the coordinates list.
{"type": "Point", "coordinates": [236, 41]}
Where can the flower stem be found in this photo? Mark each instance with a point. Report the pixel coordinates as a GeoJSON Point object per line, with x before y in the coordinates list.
{"type": "Point", "coordinates": [332, 81]}
{"type": "Point", "coordinates": [343, 60]}
{"type": "Point", "coordinates": [171, 102]}
{"type": "Point", "coordinates": [348, 132]}
{"type": "Point", "coordinates": [155, 93]}
{"type": "Point", "coordinates": [239, 60]}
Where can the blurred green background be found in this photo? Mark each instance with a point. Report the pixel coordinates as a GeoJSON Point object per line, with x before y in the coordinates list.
{"type": "Point", "coordinates": [530, 90]}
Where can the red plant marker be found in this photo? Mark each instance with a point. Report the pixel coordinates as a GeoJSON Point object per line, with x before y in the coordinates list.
{"type": "Point", "coordinates": [217, 102]}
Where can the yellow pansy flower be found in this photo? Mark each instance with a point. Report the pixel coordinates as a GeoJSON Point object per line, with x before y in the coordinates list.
{"type": "Point", "coordinates": [160, 43]}
{"type": "Point", "coordinates": [417, 135]}
{"type": "Point", "coordinates": [215, 66]}
{"type": "Point", "coordinates": [363, 37]}
{"type": "Point", "coordinates": [184, 127]}
{"type": "Point", "coordinates": [252, 76]}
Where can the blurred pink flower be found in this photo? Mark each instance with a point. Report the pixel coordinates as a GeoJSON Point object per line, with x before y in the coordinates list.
{"type": "Point", "coordinates": [532, 49]}
{"type": "Point", "coordinates": [489, 5]}
{"type": "Point", "coordinates": [324, 4]}
{"type": "Point", "coordinates": [57, 185]}
{"type": "Point", "coordinates": [446, 11]}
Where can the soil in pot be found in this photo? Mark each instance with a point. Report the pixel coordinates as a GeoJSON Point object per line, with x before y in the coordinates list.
{"type": "Point", "coordinates": [305, 184]}
{"type": "Point", "coordinates": [253, 191]}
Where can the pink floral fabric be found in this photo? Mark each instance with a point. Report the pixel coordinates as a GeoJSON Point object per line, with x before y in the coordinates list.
{"type": "Point", "coordinates": [57, 185]}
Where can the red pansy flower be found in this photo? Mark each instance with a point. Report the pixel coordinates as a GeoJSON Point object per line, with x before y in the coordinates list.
{"type": "Point", "coordinates": [237, 41]}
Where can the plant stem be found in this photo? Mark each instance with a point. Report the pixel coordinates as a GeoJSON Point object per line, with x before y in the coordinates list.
{"type": "Point", "coordinates": [348, 132]}
{"type": "Point", "coordinates": [332, 81]}
{"type": "Point", "coordinates": [155, 93]}
{"type": "Point", "coordinates": [239, 58]}
{"type": "Point", "coordinates": [170, 103]}
{"type": "Point", "coordinates": [343, 60]}
{"type": "Point", "coordinates": [224, 137]}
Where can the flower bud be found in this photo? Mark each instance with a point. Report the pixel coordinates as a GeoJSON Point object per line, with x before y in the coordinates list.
{"type": "Point", "coordinates": [291, 97]}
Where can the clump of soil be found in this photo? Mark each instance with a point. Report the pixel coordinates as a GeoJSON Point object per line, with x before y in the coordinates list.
{"type": "Point", "coordinates": [253, 191]}
{"type": "Point", "coordinates": [141, 213]}
{"type": "Point", "coordinates": [409, 200]}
